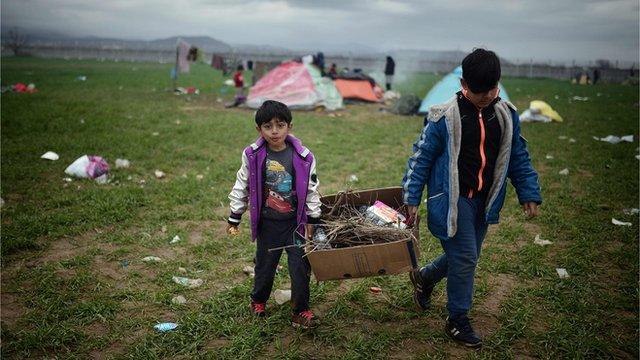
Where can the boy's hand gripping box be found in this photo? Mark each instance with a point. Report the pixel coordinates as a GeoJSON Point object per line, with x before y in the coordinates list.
{"type": "Point", "coordinates": [366, 260]}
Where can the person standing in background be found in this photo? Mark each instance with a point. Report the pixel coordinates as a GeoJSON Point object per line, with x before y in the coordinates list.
{"type": "Point", "coordinates": [389, 70]}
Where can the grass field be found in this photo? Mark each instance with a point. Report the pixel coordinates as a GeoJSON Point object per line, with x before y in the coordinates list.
{"type": "Point", "coordinates": [67, 294]}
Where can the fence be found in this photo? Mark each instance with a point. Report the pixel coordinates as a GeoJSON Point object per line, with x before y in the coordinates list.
{"type": "Point", "coordinates": [367, 63]}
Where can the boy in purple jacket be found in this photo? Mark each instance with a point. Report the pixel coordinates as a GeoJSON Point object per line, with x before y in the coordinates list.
{"type": "Point", "coordinates": [277, 182]}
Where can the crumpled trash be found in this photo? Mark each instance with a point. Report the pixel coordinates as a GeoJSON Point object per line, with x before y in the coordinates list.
{"type": "Point", "coordinates": [562, 273]}
{"type": "Point", "coordinates": [549, 157]}
{"type": "Point", "coordinates": [564, 171]}
{"type": "Point", "coordinates": [164, 327]}
{"type": "Point", "coordinates": [190, 283]}
{"type": "Point", "coordinates": [182, 270]}
{"type": "Point", "coordinates": [631, 211]}
{"type": "Point", "coordinates": [187, 90]}
{"type": "Point", "coordinates": [282, 296]}
{"type": "Point", "coordinates": [580, 98]}
{"type": "Point", "coordinates": [620, 223]}
{"type": "Point", "coordinates": [179, 300]}
{"type": "Point", "coordinates": [249, 270]}
{"type": "Point", "coordinates": [89, 166]}
{"type": "Point", "coordinates": [50, 155]}
{"type": "Point", "coordinates": [199, 177]}
{"type": "Point", "coordinates": [22, 88]}
{"type": "Point", "coordinates": [122, 164]}
{"type": "Point", "coordinates": [540, 111]}
{"type": "Point", "coordinates": [375, 290]}
{"type": "Point", "coordinates": [562, 137]}
{"type": "Point", "coordinates": [175, 239]}
{"type": "Point", "coordinates": [612, 139]}
{"type": "Point", "coordinates": [151, 259]}
{"type": "Point", "coordinates": [229, 82]}
{"type": "Point", "coordinates": [124, 263]}
{"type": "Point", "coordinates": [539, 241]}
{"type": "Point", "coordinates": [81, 78]}
{"type": "Point", "coordinates": [390, 95]}
{"type": "Point", "coordinates": [353, 178]}
{"type": "Point", "coordinates": [572, 140]}
{"type": "Point", "coordinates": [159, 174]}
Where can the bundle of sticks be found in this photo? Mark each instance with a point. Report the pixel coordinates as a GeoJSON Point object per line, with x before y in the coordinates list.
{"type": "Point", "coordinates": [345, 226]}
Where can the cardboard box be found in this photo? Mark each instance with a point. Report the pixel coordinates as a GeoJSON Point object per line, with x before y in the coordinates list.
{"type": "Point", "coordinates": [366, 260]}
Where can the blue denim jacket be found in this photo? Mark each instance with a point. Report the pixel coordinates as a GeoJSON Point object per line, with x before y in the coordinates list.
{"type": "Point", "coordinates": [434, 163]}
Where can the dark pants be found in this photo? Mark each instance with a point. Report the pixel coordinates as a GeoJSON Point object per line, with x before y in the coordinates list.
{"type": "Point", "coordinates": [461, 254]}
{"type": "Point", "coordinates": [273, 234]}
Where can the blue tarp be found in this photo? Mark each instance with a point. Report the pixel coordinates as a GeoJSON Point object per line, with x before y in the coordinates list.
{"type": "Point", "coordinates": [446, 89]}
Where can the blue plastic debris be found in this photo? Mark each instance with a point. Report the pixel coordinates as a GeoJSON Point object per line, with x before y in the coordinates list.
{"type": "Point", "coordinates": [124, 263]}
{"type": "Point", "coordinates": [164, 327]}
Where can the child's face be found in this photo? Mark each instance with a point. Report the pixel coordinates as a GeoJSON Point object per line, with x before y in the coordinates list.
{"type": "Point", "coordinates": [480, 100]}
{"type": "Point", "coordinates": [275, 132]}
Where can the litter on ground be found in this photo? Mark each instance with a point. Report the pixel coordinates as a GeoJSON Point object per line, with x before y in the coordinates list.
{"type": "Point", "coordinates": [164, 327]}
{"type": "Point", "coordinates": [89, 166]}
{"type": "Point", "coordinates": [282, 296]}
{"type": "Point", "coordinates": [631, 211]}
{"type": "Point", "coordinates": [22, 88]}
{"type": "Point", "coordinates": [249, 270]}
{"type": "Point", "coordinates": [620, 223]}
{"type": "Point", "coordinates": [187, 90]}
{"type": "Point", "coordinates": [122, 164]}
{"type": "Point", "coordinates": [190, 283]}
{"type": "Point", "coordinates": [175, 239]}
{"type": "Point", "coordinates": [375, 290]}
{"type": "Point", "coordinates": [50, 155]}
{"type": "Point", "coordinates": [179, 300]}
{"type": "Point", "coordinates": [159, 174]}
{"type": "Point", "coordinates": [151, 259]}
{"type": "Point", "coordinates": [564, 171]}
{"type": "Point", "coordinates": [562, 273]}
{"type": "Point", "coordinates": [539, 241]}
{"type": "Point", "coordinates": [612, 139]}
{"type": "Point", "coordinates": [540, 111]}
{"type": "Point", "coordinates": [549, 157]}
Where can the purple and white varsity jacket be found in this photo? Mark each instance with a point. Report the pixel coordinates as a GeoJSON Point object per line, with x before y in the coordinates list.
{"type": "Point", "coordinates": [247, 190]}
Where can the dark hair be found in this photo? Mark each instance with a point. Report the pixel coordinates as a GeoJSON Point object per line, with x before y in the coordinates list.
{"type": "Point", "coordinates": [273, 109]}
{"type": "Point", "coordinates": [481, 70]}
{"type": "Point", "coordinates": [240, 68]}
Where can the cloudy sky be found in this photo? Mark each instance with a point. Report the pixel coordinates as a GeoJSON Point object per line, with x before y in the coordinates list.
{"type": "Point", "coordinates": [539, 29]}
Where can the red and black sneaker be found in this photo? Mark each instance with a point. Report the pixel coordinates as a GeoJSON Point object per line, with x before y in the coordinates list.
{"type": "Point", "coordinates": [304, 319]}
{"type": "Point", "coordinates": [258, 309]}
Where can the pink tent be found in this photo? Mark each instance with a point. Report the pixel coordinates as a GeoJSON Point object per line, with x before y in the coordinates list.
{"type": "Point", "coordinates": [289, 83]}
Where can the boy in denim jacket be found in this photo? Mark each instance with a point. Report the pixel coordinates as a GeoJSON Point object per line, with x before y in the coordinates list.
{"type": "Point", "coordinates": [466, 151]}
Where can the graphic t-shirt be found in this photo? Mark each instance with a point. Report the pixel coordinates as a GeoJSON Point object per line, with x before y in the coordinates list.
{"type": "Point", "coordinates": [279, 195]}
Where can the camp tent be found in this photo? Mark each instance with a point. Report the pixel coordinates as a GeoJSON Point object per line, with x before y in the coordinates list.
{"type": "Point", "coordinates": [299, 86]}
{"type": "Point", "coordinates": [446, 89]}
{"type": "Point", "coordinates": [358, 86]}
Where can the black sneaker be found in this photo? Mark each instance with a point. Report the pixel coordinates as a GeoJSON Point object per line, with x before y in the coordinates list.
{"type": "Point", "coordinates": [421, 289]}
{"type": "Point", "coordinates": [460, 331]}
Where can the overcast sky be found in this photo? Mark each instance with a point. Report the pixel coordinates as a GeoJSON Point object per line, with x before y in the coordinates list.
{"type": "Point", "coordinates": [542, 29]}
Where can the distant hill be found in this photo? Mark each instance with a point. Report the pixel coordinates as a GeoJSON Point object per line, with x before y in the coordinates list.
{"type": "Point", "coordinates": [432, 55]}
{"type": "Point", "coordinates": [42, 38]}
